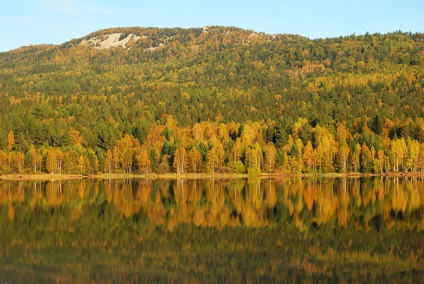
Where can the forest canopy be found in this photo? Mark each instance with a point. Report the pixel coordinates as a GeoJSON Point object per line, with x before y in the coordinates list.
{"type": "Point", "coordinates": [215, 99]}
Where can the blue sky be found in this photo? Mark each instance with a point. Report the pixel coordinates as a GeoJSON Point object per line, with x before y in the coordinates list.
{"type": "Point", "coordinates": [24, 22]}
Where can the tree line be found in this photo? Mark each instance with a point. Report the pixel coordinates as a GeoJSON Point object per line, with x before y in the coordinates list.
{"type": "Point", "coordinates": [210, 147]}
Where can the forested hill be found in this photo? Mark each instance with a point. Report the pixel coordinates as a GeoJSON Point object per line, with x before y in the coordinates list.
{"type": "Point", "coordinates": [223, 98]}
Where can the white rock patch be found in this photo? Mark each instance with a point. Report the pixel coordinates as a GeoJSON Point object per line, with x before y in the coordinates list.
{"type": "Point", "coordinates": [110, 41]}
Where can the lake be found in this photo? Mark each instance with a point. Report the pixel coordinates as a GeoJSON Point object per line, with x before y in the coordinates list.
{"type": "Point", "coordinates": [239, 230]}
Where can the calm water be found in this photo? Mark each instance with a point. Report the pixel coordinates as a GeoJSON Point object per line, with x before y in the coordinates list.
{"type": "Point", "coordinates": [288, 230]}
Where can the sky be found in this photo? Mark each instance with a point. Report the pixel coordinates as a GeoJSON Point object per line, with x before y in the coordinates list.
{"type": "Point", "coordinates": [25, 22]}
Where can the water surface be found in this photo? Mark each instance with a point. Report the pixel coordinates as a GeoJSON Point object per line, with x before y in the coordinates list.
{"type": "Point", "coordinates": [255, 230]}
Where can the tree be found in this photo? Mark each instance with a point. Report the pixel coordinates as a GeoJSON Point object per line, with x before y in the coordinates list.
{"type": "Point", "coordinates": [143, 160]}
{"type": "Point", "coordinates": [164, 164]}
{"type": "Point", "coordinates": [398, 152]}
{"type": "Point", "coordinates": [194, 160]}
{"type": "Point", "coordinates": [19, 162]}
{"type": "Point", "coordinates": [343, 157]}
{"type": "Point", "coordinates": [154, 159]}
{"type": "Point", "coordinates": [212, 160]}
{"type": "Point", "coordinates": [420, 160]}
{"type": "Point", "coordinates": [236, 151]}
{"type": "Point", "coordinates": [297, 126]}
{"type": "Point", "coordinates": [220, 152]}
{"type": "Point", "coordinates": [10, 141]}
{"type": "Point", "coordinates": [70, 160]}
{"type": "Point", "coordinates": [35, 159]}
{"type": "Point", "coordinates": [91, 162]}
{"type": "Point", "coordinates": [270, 156]}
{"type": "Point", "coordinates": [59, 159]}
{"type": "Point", "coordinates": [115, 159]}
{"type": "Point", "coordinates": [367, 159]}
{"type": "Point", "coordinates": [259, 156]}
{"type": "Point", "coordinates": [247, 136]}
{"type": "Point", "coordinates": [379, 162]}
{"type": "Point", "coordinates": [180, 160]}
{"type": "Point", "coordinates": [223, 134]}
{"type": "Point", "coordinates": [125, 150]}
{"type": "Point", "coordinates": [413, 151]}
{"type": "Point", "coordinates": [54, 160]}
{"type": "Point", "coordinates": [109, 162]}
{"type": "Point", "coordinates": [325, 153]}
{"type": "Point", "coordinates": [81, 165]}
{"type": "Point", "coordinates": [309, 157]}
{"type": "Point", "coordinates": [355, 159]}
{"type": "Point", "coordinates": [51, 161]}
{"type": "Point", "coordinates": [3, 160]}
{"type": "Point", "coordinates": [342, 133]}
{"type": "Point", "coordinates": [251, 160]}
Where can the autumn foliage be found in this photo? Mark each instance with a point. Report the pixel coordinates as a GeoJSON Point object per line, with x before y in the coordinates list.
{"type": "Point", "coordinates": [214, 100]}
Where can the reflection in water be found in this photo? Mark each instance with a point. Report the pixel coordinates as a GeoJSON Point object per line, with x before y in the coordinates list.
{"type": "Point", "coordinates": [334, 221]}
{"type": "Point", "coordinates": [239, 202]}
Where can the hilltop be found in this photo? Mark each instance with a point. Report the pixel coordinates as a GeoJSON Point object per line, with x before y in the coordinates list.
{"type": "Point", "coordinates": [193, 88]}
{"type": "Point", "coordinates": [156, 39]}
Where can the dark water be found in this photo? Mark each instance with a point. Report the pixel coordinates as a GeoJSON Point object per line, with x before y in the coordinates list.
{"type": "Point", "coordinates": [288, 230]}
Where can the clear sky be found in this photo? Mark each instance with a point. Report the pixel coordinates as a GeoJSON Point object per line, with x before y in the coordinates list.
{"type": "Point", "coordinates": [24, 22]}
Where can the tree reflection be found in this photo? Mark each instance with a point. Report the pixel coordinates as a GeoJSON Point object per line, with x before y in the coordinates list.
{"type": "Point", "coordinates": [303, 226]}
{"type": "Point", "coordinates": [219, 203]}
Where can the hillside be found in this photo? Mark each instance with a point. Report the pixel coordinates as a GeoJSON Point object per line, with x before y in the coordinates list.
{"type": "Point", "coordinates": [348, 101]}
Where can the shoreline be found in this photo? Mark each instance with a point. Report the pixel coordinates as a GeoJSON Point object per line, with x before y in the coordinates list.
{"type": "Point", "coordinates": [46, 177]}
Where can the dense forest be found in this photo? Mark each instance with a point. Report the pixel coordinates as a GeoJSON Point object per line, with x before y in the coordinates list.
{"type": "Point", "coordinates": [215, 99]}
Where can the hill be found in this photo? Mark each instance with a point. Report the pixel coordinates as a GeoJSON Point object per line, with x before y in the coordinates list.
{"type": "Point", "coordinates": [159, 86]}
